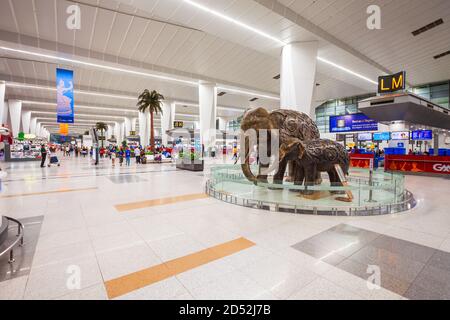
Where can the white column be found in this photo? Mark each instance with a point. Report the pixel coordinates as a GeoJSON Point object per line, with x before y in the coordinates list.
{"type": "Point", "coordinates": [167, 119]}
{"type": "Point", "coordinates": [26, 121]}
{"type": "Point", "coordinates": [3, 105]}
{"type": "Point", "coordinates": [127, 126]}
{"type": "Point", "coordinates": [143, 128]}
{"type": "Point", "coordinates": [208, 110]}
{"type": "Point", "coordinates": [15, 110]}
{"type": "Point", "coordinates": [117, 132]}
{"type": "Point", "coordinates": [33, 125]}
{"type": "Point", "coordinates": [147, 128]}
{"type": "Point", "coordinates": [122, 132]}
{"type": "Point", "coordinates": [38, 129]}
{"type": "Point", "coordinates": [298, 76]}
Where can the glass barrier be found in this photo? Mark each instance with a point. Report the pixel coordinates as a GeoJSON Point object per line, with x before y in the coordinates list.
{"type": "Point", "coordinates": [385, 193]}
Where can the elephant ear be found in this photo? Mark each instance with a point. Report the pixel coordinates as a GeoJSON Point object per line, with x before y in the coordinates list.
{"type": "Point", "coordinates": [293, 145]}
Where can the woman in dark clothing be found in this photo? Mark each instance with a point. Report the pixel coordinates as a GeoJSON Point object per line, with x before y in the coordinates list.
{"type": "Point", "coordinates": [43, 155]}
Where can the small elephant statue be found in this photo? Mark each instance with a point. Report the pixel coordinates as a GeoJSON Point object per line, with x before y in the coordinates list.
{"type": "Point", "coordinates": [315, 156]}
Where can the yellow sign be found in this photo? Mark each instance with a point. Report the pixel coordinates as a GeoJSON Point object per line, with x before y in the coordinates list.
{"type": "Point", "coordinates": [63, 128]}
{"type": "Point", "coordinates": [392, 83]}
{"type": "Point", "coordinates": [178, 124]}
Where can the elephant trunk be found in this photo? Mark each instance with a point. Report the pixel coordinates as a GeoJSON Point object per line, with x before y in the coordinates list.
{"type": "Point", "coordinates": [246, 165]}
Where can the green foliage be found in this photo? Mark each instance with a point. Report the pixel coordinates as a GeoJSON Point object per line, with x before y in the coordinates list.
{"type": "Point", "coordinates": [151, 102]}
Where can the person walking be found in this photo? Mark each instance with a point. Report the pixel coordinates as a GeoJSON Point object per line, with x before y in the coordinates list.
{"type": "Point", "coordinates": [113, 157]}
{"type": "Point", "coordinates": [121, 154]}
{"type": "Point", "coordinates": [43, 155]}
{"type": "Point", "coordinates": [128, 156]}
{"type": "Point", "coordinates": [137, 153]}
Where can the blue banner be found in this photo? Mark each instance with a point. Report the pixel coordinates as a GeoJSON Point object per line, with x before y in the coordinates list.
{"type": "Point", "coordinates": [352, 122]}
{"type": "Point", "coordinates": [64, 96]}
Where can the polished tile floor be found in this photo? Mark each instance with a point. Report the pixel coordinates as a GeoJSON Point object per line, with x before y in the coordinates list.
{"type": "Point", "coordinates": [84, 241]}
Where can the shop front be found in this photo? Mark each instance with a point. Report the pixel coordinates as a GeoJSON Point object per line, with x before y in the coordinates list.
{"type": "Point", "coordinates": [437, 165]}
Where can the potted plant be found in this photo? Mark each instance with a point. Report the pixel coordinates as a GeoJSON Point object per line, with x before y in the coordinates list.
{"type": "Point", "coordinates": [151, 101]}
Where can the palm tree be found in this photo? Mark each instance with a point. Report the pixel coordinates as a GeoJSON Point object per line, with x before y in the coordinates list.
{"type": "Point", "coordinates": [151, 101]}
{"type": "Point", "coordinates": [101, 126]}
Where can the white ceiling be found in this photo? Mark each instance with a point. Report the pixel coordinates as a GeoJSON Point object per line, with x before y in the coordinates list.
{"type": "Point", "coordinates": [171, 37]}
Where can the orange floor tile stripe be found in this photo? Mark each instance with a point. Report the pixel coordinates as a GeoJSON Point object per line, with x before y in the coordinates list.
{"type": "Point", "coordinates": [158, 202]}
{"type": "Point", "coordinates": [45, 192]}
{"type": "Point", "coordinates": [131, 282]}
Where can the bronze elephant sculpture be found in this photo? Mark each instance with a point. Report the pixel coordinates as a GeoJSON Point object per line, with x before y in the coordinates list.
{"type": "Point", "coordinates": [289, 125]}
{"type": "Point", "coordinates": [315, 156]}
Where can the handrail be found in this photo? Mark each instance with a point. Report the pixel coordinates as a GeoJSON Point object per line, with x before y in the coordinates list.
{"type": "Point", "coordinates": [20, 233]}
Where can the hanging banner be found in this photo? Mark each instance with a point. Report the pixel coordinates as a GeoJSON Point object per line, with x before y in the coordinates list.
{"type": "Point", "coordinates": [64, 96]}
{"type": "Point", "coordinates": [63, 129]}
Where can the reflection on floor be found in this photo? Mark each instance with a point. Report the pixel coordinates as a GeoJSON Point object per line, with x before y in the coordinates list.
{"type": "Point", "coordinates": [126, 179]}
{"type": "Point", "coordinates": [23, 255]}
{"type": "Point", "coordinates": [85, 242]}
{"type": "Point", "coordinates": [411, 270]}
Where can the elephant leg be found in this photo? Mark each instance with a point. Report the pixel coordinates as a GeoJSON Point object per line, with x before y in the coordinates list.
{"type": "Point", "coordinates": [279, 176]}
{"type": "Point", "coordinates": [334, 181]}
{"type": "Point", "coordinates": [299, 174]}
{"type": "Point", "coordinates": [310, 177]}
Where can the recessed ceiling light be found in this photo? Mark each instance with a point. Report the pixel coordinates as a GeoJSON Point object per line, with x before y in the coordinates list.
{"type": "Point", "coordinates": [234, 21]}
{"type": "Point", "coordinates": [101, 66]}
{"type": "Point", "coordinates": [254, 99]}
{"type": "Point", "coordinates": [443, 54]}
{"type": "Point", "coordinates": [248, 93]}
{"type": "Point", "coordinates": [277, 77]}
{"type": "Point", "coordinates": [346, 70]}
{"type": "Point", "coordinates": [222, 93]}
{"type": "Point", "coordinates": [429, 26]}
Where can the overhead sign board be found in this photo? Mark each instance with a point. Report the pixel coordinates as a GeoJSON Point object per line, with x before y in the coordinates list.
{"type": "Point", "coordinates": [178, 124]}
{"type": "Point", "coordinates": [422, 135]}
{"type": "Point", "coordinates": [352, 122]}
{"type": "Point", "coordinates": [392, 83]}
{"type": "Point", "coordinates": [381, 136]}
{"type": "Point", "coordinates": [400, 135]}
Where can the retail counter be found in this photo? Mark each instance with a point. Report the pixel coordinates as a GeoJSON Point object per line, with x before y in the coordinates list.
{"type": "Point", "coordinates": [416, 164]}
{"type": "Point", "coordinates": [361, 160]}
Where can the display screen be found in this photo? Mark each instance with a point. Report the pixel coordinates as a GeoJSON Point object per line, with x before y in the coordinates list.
{"type": "Point", "coordinates": [366, 136]}
{"type": "Point", "coordinates": [64, 97]}
{"type": "Point", "coordinates": [352, 122]}
{"type": "Point", "coordinates": [422, 135]}
{"type": "Point", "coordinates": [400, 135]}
{"type": "Point", "coordinates": [382, 136]}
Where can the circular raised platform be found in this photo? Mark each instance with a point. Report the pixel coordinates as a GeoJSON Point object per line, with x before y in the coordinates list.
{"type": "Point", "coordinates": [3, 229]}
{"type": "Point", "coordinates": [386, 194]}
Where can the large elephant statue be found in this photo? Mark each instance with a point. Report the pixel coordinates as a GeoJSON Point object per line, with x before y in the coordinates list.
{"type": "Point", "coordinates": [290, 125]}
{"type": "Point", "coordinates": [315, 156]}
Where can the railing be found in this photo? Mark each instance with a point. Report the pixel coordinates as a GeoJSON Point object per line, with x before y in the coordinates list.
{"type": "Point", "coordinates": [395, 197]}
{"type": "Point", "coordinates": [18, 241]}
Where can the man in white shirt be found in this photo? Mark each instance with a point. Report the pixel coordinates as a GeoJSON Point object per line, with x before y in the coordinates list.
{"type": "Point", "coordinates": [137, 154]}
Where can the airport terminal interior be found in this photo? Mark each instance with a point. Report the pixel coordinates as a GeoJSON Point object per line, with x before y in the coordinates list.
{"type": "Point", "coordinates": [223, 150]}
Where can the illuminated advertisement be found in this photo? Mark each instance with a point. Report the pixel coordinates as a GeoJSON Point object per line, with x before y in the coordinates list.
{"type": "Point", "coordinates": [381, 136]}
{"type": "Point", "coordinates": [400, 135]}
{"type": "Point", "coordinates": [64, 96]}
{"type": "Point", "coordinates": [422, 135]}
{"type": "Point", "coordinates": [352, 122]}
{"type": "Point", "coordinates": [365, 136]}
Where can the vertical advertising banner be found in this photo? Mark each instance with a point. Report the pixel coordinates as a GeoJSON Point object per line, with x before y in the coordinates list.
{"type": "Point", "coordinates": [64, 96]}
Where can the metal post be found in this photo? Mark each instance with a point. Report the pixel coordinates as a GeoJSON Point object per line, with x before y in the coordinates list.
{"type": "Point", "coordinates": [371, 182]}
{"type": "Point", "coordinates": [11, 256]}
